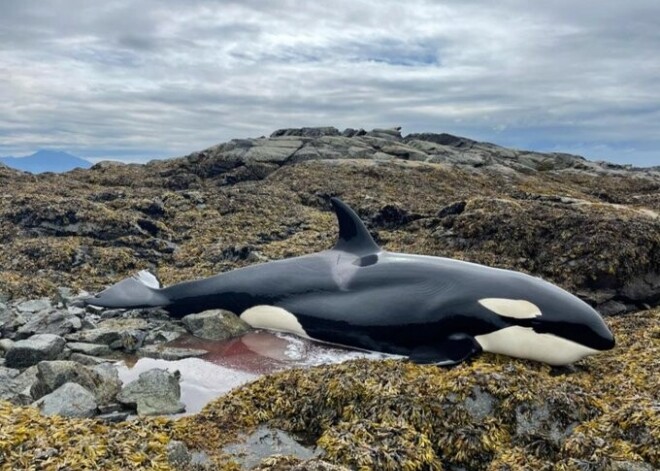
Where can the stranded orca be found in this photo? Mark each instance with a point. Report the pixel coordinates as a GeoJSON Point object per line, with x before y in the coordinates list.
{"type": "Point", "coordinates": [430, 309]}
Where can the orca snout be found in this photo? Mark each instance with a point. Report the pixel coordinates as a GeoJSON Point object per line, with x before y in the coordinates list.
{"type": "Point", "coordinates": [605, 336]}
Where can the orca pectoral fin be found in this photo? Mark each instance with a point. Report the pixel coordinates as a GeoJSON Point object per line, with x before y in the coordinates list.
{"type": "Point", "coordinates": [446, 352]}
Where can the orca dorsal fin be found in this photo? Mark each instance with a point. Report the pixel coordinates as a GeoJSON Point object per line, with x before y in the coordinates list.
{"type": "Point", "coordinates": [353, 235]}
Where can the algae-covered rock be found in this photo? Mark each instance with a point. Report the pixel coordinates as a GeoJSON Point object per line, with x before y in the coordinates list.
{"type": "Point", "coordinates": [249, 450]}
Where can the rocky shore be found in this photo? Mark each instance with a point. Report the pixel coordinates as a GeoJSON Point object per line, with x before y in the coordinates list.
{"type": "Point", "coordinates": [590, 227]}
{"type": "Point", "coordinates": [59, 356]}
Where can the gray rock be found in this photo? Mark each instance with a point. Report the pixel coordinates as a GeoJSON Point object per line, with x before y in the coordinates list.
{"type": "Point", "coordinates": [113, 417]}
{"type": "Point", "coordinates": [130, 341]}
{"type": "Point", "coordinates": [110, 386]}
{"type": "Point", "coordinates": [31, 351]}
{"type": "Point", "coordinates": [65, 296]}
{"type": "Point", "coordinates": [92, 349]}
{"type": "Point", "coordinates": [35, 305]}
{"type": "Point", "coordinates": [7, 374]}
{"type": "Point", "coordinates": [99, 380]}
{"type": "Point", "coordinates": [65, 354]}
{"type": "Point", "coordinates": [155, 392]}
{"type": "Point", "coordinates": [534, 421]}
{"type": "Point", "coordinates": [10, 321]}
{"type": "Point", "coordinates": [49, 322]}
{"type": "Point", "coordinates": [480, 404]}
{"type": "Point", "coordinates": [215, 324]}
{"type": "Point", "coordinates": [178, 454]}
{"type": "Point", "coordinates": [110, 331]}
{"type": "Point", "coordinates": [5, 314]}
{"type": "Point", "coordinates": [162, 352]}
{"type": "Point", "coordinates": [307, 132]}
{"type": "Point", "coordinates": [69, 400]}
{"type": "Point", "coordinates": [17, 388]}
{"type": "Point", "coordinates": [272, 150]}
{"type": "Point", "coordinates": [612, 308]}
{"type": "Point", "coordinates": [264, 442]}
{"type": "Point", "coordinates": [630, 466]}
{"type": "Point", "coordinates": [165, 333]}
{"type": "Point", "coordinates": [88, 360]}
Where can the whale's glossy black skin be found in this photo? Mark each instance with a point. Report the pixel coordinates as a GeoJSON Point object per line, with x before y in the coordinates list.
{"type": "Point", "coordinates": [357, 295]}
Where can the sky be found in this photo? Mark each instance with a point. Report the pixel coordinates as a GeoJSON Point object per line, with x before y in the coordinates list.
{"type": "Point", "coordinates": [138, 80]}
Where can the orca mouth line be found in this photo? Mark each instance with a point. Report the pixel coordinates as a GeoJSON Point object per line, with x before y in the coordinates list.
{"type": "Point", "coordinates": [572, 331]}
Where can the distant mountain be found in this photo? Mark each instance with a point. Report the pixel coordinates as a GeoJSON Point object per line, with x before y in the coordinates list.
{"type": "Point", "coordinates": [46, 161]}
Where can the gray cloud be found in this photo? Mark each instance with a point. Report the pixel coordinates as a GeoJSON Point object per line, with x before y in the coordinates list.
{"type": "Point", "coordinates": [159, 78]}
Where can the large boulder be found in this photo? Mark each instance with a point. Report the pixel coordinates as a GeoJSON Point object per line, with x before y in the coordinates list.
{"type": "Point", "coordinates": [215, 324]}
{"type": "Point", "coordinates": [69, 400]}
{"type": "Point", "coordinates": [31, 351]}
{"type": "Point", "coordinates": [155, 392]}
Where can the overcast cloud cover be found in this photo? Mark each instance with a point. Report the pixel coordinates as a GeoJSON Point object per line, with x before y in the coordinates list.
{"type": "Point", "coordinates": [136, 80]}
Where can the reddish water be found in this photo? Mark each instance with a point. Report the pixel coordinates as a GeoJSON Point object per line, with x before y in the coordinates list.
{"type": "Point", "coordinates": [234, 362]}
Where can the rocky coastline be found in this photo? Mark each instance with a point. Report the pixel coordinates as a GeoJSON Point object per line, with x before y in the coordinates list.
{"type": "Point", "coordinates": [590, 227]}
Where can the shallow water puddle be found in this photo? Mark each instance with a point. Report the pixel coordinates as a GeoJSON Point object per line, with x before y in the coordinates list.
{"type": "Point", "coordinates": [234, 362]}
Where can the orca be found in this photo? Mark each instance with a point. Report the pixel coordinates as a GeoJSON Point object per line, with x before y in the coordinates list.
{"type": "Point", "coordinates": [429, 309]}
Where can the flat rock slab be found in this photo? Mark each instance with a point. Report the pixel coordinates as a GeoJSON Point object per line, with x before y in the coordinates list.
{"type": "Point", "coordinates": [160, 352]}
{"type": "Point", "coordinates": [92, 349]}
{"type": "Point", "coordinates": [155, 392]}
{"type": "Point", "coordinates": [69, 400]}
{"type": "Point", "coordinates": [31, 351]}
{"type": "Point", "coordinates": [111, 331]}
{"type": "Point", "coordinates": [34, 305]}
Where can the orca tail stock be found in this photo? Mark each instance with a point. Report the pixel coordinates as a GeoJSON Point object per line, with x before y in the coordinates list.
{"type": "Point", "coordinates": [139, 290]}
